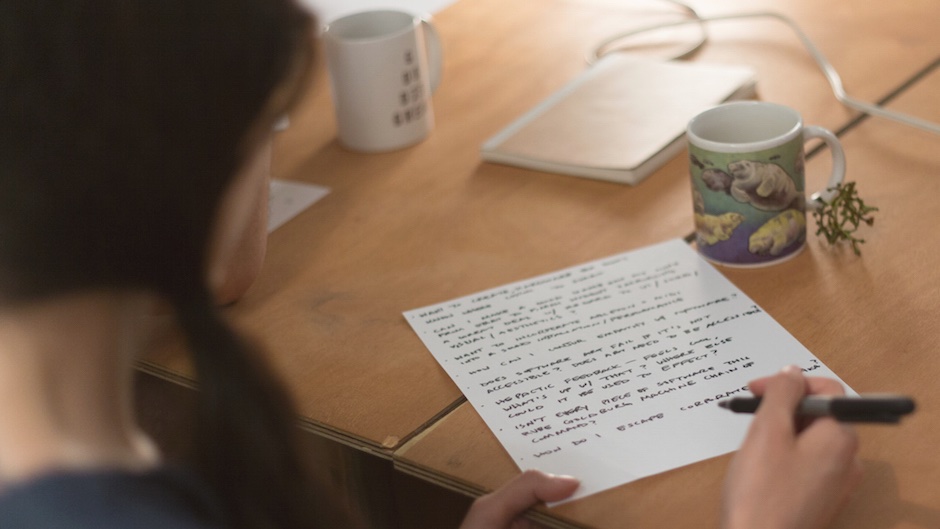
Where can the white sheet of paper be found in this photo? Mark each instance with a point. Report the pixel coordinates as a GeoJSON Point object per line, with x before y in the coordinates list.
{"type": "Point", "coordinates": [610, 371]}
{"type": "Point", "coordinates": [287, 199]}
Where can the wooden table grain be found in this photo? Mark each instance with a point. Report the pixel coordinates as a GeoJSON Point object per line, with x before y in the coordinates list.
{"type": "Point", "coordinates": [428, 223]}
{"type": "Point", "coordinates": [872, 318]}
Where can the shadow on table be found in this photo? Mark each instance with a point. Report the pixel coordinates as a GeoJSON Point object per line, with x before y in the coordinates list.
{"type": "Point", "coordinates": [878, 502]}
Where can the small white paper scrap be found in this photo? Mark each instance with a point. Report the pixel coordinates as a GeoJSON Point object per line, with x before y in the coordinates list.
{"type": "Point", "coordinates": [610, 371]}
{"type": "Point", "coordinates": [288, 199]}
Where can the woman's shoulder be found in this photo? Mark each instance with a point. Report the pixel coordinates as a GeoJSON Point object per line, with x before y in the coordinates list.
{"type": "Point", "coordinates": [164, 498]}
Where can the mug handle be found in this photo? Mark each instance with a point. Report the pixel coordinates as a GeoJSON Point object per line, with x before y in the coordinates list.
{"type": "Point", "coordinates": [838, 164]}
{"type": "Point", "coordinates": [435, 52]}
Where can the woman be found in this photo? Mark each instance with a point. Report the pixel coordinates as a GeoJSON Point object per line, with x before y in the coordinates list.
{"type": "Point", "coordinates": [132, 134]}
{"type": "Point", "coordinates": [125, 126]}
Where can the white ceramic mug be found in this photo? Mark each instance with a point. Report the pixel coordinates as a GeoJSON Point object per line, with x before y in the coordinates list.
{"type": "Point", "coordinates": [748, 183]}
{"type": "Point", "coordinates": [383, 65]}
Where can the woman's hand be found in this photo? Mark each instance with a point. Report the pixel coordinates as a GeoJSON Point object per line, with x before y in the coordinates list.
{"type": "Point", "coordinates": [789, 473]}
{"type": "Point", "coordinates": [504, 507]}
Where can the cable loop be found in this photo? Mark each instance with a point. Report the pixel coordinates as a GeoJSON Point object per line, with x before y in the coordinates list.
{"type": "Point", "coordinates": [832, 76]}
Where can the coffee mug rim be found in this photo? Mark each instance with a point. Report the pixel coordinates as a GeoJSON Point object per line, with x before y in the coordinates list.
{"type": "Point", "coordinates": [414, 19]}
{"type": "Point", "coordinates": [741, 147]}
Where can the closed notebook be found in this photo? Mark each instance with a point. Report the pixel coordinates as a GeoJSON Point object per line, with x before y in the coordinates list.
{"type": "Point", "coordinates": [620, 120]}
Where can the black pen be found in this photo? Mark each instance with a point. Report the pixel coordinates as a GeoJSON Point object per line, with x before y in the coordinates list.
{"type": "Point", "coordinates": [865, 408]}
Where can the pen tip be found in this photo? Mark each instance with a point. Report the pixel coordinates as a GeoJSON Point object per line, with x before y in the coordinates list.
{"type": "Point", "coordinates": [724, 403]}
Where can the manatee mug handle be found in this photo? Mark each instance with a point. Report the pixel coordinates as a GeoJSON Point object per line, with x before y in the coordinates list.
{"type": "Point", "coordinates": [434, 50]}
{"type": "Point", "coordinates": [837, 175]}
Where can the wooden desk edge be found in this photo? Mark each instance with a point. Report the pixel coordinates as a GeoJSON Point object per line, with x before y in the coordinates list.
{"type": "Point", "coordinates": [384, 451]}
{"type": "Point", "coordinates": [537, 514]}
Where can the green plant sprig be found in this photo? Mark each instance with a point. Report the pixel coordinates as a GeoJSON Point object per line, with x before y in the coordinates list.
{"type": "Point", "coordinates": [839, 218]}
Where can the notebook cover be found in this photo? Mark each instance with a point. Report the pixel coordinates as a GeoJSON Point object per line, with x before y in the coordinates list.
{"type": "Point", "coordinates": [619, 120]}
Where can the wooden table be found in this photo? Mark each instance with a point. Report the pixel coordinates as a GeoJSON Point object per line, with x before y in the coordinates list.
{"type": "Point", "coordinates": [422, 225]}
{"type": "Point", "coordinates": [871, 319]}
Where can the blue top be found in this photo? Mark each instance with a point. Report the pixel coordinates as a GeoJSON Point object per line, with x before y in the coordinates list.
{"type": "Point", "coordinates": [161, 499]}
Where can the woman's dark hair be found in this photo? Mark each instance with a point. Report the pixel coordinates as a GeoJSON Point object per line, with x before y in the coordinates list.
{"type": "Point", "coordinates": [122, 122]}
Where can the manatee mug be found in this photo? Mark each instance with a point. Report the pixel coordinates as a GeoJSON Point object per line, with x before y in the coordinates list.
{"type": "Point", "coordinates": [383, 66]}
{"type": "Point", "coordinates": [748, 185]}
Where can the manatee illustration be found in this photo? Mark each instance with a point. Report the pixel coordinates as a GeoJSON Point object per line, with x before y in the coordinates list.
{"type": "Point", "coordinates": [712, 229]}
{"type": "Point", "coordinates": [766, 186]}
{"type": "Point", "coordinates": [717, 180]}
{"type": "Point", "coordinates": [778, 233]}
